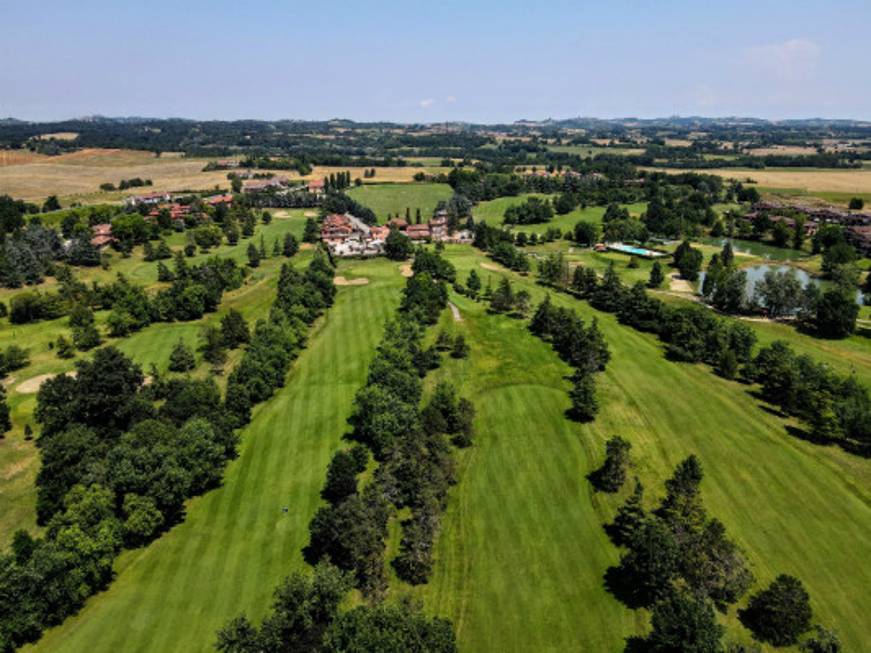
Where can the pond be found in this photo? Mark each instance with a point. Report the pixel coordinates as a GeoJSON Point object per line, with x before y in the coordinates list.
{"type": "Point", "coordinates": [757, 272]}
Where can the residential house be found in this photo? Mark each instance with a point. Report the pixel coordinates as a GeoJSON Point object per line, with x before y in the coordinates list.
{"type": "Point", "coordinates": [102, 235]}
{"type": "Point", "coordinates": [151, 199]}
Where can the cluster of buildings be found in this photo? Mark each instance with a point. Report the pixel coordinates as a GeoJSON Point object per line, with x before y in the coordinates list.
{"type": "Point", "coordinates": [346, 235]}
{"type": "Point", "coordinates": [857, 226]}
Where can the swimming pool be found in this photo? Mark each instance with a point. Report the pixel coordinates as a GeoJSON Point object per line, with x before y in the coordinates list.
{"type": "Point", "coordinates": [635, 251]}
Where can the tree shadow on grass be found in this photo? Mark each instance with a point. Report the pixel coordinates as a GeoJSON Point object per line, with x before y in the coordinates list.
{"type": "Point", "coordinates": [625, 589]}
{"type": "Point", "coordinates": [636, 645]}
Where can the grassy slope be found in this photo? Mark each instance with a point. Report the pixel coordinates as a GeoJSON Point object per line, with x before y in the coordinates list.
{"type": "Point", "coordinates": [18, 460]}
{"type": "Point", "coordinates": [236, 543]}
{"type": "Point", "coordinates": [522, 554]}
{"type": "Point", "coordinates": [395, 198]}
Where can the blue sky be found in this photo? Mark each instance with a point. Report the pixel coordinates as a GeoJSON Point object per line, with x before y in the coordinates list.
{"type": "Point", "coordinates": [486, 61]}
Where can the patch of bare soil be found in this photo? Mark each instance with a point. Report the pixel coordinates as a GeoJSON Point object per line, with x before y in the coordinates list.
{"type": "Point", "coordinates": [342, 281]}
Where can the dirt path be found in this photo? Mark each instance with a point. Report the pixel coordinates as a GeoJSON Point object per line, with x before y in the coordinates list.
{"type": "Point", "coordinates": [455, 312]}
{"type": "Point", "coordinates": [342, 281]}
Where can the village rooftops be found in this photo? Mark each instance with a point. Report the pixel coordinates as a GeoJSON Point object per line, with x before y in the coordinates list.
{"type": "Point", "coordinates": [418, 231]}
{"type": "Point", "coordinates": [214, 200]}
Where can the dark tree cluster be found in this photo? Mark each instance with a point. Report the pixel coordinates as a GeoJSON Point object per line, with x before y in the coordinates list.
{"type": "Point", "coordinates": [499, 245]}
{"type": "Point", "coordinates": [307, 616]}
{"type": "Point", "coordinates": [533, 211]}
{"type": "Point", "coordinates": [837, 408]}
{"type": "Point", "coordinates": [679, 563]}
{"type": "Point", "coordinates": [582, 347]}
{"type": "Point", "coordinates": [337, 202]}
{"type": "Point", "coordinates": [115, 470]}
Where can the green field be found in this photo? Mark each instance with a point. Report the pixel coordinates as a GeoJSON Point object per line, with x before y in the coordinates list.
{"type": "Point", "coordinates": [18, 459]}
{"type": "Point", "coordinates": [493, 211]}
{"type": "Point", "coordinates": [236, 542]}
{"type": "Point", "coordinates": [522, 554]}
{"type": "Point", "coordinates": [395, 198]}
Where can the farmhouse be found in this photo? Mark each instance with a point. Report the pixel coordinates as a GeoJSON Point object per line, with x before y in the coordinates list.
{"type": "Point", "coordinates": [102, 235]}
{"type": "Point", "coordinates": [215, 200]}
{"type": "Point", "coordinates": [151, 199]}
{"type": "Point", "coordinates": [439, 226]}
{"type": "Point", "coordinates": [265, 184]}
{"type": "Point", "coordinates": [418, 232]}
{"type": "Point", "coordinates": [316, 186]}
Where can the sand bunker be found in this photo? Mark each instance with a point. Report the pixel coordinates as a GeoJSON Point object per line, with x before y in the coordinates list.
{"type": "Point", "coordinates": [491, 266]}
{"type": "Point", "coordinates": [342, 281]}
{"type": "Point", "coordinates": [31, 386]}
{"type": "Point", "coordinates": [405, 270]}
{"type": "Point", "coordinates": [677, 284]}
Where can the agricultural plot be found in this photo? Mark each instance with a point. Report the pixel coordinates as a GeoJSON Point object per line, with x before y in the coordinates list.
{"type": "Point", "coordinates": [237, 542]}
{"type": "Point", "coordinates": [77, 176]}
{"type": "Point", "coordinates": [811, 180]}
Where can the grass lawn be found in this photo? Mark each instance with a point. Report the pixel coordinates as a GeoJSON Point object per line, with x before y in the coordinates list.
{"type": "Point", "coordinates": [521, 556]}
{"type": "Point", "coordinates": [493, 211]}
{"type": "Point", "coordinates": [236, 542]}
{"type": "Point", "coordinates": [18, 458]}
{"type": "Point", "coordinates": [395, 198]}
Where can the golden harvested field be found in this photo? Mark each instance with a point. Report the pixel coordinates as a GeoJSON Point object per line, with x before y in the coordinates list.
{"type": "Point", "coordinates": [77, 176]}
{"type": "Point", "coordinates": [58, 136]}
{"type": "Point", "coordinates": [810, 180]}
{"type": "Point", "coordinates": [792, 150]}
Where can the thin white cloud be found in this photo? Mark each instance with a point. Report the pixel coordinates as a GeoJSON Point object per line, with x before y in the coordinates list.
{"type": "Point", "coordinates": [791, 60]}
{"type": "Point", "coordinates": [428, 102]}
{"type": "Point", "coordinates": [450, 99]}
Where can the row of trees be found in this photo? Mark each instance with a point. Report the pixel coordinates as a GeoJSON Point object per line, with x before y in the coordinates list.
{"type": "Point", "coordinates": [584, 348]}
{"type": "Point", "coordinates": [119, 457]}
{"type": "Point", "coordinates": [307, 616]}
{"type": "Point", "coordinates": [835, 408]}
{"type": "Point", "coordinates": [415, 466]}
